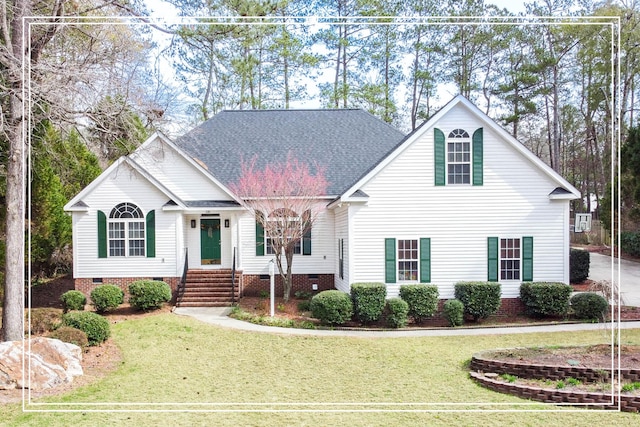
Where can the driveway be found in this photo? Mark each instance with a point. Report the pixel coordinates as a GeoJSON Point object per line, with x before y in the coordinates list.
{"type": "Point", "coordinates": [601, 268]}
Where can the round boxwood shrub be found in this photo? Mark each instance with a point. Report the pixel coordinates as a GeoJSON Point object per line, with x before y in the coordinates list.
{"type": "Point", "coordinates": [397, 313]}
{"type": "Point", "coordinates": [590, 306]}
{"type": "Point", "coordinates": [454, 312]}
{"type": "Point", "coordinates": [95, 326]}
{"type": "Point", "coordinates": [368, 301]}
{"type": "Point", "coordinates": [106, 298]}
{"type": "Point", "coordinates": [73, 300]}
{"type": "Point", "coordinates": [70, 335]}
{"type": "Point", "coordinates": [149, 294]}
{"type": "Point", "coordinates": [545, 298]}
{"type": "Point", "coordinates": [422, 300]}
{"type": "Point", "coordinates": [480, 299]}
{"type": "Point", "coordinates": [332, 307]}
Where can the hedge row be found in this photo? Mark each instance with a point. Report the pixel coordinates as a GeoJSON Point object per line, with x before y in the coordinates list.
{"type": "Point", "coordinates": [143, 295]}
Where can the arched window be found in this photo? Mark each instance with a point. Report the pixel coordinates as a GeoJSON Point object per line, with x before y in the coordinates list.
{"type": "Point", "coordinates": [458, 157]}
{"type": "Point", "coordinates": [126, 231]}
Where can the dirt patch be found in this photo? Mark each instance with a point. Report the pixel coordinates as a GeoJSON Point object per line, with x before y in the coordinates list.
{"type": "Point", "coordinates": [593, 356]}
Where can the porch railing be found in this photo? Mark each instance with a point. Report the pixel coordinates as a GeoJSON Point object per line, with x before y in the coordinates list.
{"type": "Point", "coordinates": [183, 279]}
{"type": "Point", "coordinates": [233, 278]}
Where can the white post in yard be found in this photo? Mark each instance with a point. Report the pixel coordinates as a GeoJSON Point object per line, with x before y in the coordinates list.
{"type": "Point", "coordinates": [272, 287]}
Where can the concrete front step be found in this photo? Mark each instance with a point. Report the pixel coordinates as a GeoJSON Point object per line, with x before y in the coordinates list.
{"type": "Point", "coordinates": [205, 304]}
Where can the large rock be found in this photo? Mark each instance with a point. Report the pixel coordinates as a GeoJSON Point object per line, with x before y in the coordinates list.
{"type": "Point", "coordinates": [47, 364]}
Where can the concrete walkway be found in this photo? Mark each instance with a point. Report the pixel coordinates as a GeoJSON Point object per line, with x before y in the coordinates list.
{"type": "Point", "coordinates": [219, 317]}
{"type": "Point", "coordinates": [601, 268]}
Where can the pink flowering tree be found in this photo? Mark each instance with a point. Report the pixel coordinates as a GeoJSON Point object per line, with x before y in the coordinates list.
{"type": "Point", "coordinates": [285, 199]}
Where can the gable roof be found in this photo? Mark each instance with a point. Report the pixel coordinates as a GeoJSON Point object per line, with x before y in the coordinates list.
{"type": "Point", "coordinates": [569, 191]}
{"type": "Point", "coordinates": [344, 141]}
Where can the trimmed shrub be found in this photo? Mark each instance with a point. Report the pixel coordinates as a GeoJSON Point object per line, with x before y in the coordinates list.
{"type": "Point", "coordinates": [480, 299]}
{"type": "Point", "coordinates": [73, 300]}
{"type": "Point", "coordinates": [630, 242]}
{"type": "Point", "coordinates": [397, 312]}
{"type": "Point", "coordinates": [70, 335]}
{"type": "Point", "coordinates": [579, 261]}
{"type": "Point", "coordinates": [368, 301]}
{"type": "Point", "coordinates": [545, 298]}
{"type": "Point", "coordinates": [422, 300]}
{"type": "Point", "coordinates": [304, 305]}
{"type": "Point", "coordinates": [106, 298]}
{"type": "Point", "coordinates": [590, 306]}
{"type": "Point", "coordinates": [43, 320]}
{"type": "Point", "coordinates": [149, 294]}
{"type": "Point", "coordinates": [332, 307]}
{"type": "Point", "coordinates": [454, 312]}
{"type": "Point", "coordinates": [95, 326]}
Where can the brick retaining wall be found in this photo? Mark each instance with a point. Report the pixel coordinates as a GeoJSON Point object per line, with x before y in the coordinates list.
{"type": "Point", "coordinates": [481, 365]}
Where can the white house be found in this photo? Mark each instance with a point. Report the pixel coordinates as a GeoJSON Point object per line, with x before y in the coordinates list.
{"type": "Point", "coordinates": [457, 199]}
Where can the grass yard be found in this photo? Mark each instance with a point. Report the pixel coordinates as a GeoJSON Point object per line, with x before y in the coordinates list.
{"type": "Point", "coordinates": [178, 364]}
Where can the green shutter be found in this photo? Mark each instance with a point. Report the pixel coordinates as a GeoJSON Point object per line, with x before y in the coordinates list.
{"type": "Point", "coordinates": [492, 259]}
{"type": "Point", "coordinates": [259, 235]}
{"type": "Point", "coordinates": [439, 156]}
{"type": "Point", "coordinates": [527, 259]}
{"type": "Point", "coordinates": [425, 260]}
{"type": "Point", "coordinates": [477, 157]}
{"type": "Point", "coordinates": [151, 234]}
{"type": "Point", "coordinates": [306, 241]}
{"type": "Point", "coordinates": [102, 235]}
{"type": "Point", "coordinates": [390, 260]}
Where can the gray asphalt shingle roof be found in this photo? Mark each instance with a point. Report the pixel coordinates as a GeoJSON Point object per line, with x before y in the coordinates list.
{"type": "Point", "coordinates": [347, 142]}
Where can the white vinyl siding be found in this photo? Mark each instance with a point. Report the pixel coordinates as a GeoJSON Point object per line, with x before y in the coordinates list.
{"type": "Point", "coordinates": [513, 201]}
{"type": "Point", "coordinates": [177, 174]}
{"type": "Point", "coordinates": [342, 238]}
{"type": "Point", "coordinates": [126, 185]}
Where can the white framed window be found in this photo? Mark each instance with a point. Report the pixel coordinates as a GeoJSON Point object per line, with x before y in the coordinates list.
{"type": "Point", "coordinates": [510, 256]}
{"type": "Point", "coordinates": [408, 260]}
{"type": "Point", "coordinates": [126, 231]}
{"type": "Point", "coordinates": [458, 157]}
{"type": "Point", "coordinates": [283, 222]}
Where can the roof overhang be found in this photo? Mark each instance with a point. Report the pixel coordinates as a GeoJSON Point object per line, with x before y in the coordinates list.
{"type": "Point", "coordinates": [560, 193]}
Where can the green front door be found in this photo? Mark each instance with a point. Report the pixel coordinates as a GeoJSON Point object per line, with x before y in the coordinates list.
{"type": "Point", "coordinates": [209, 241]}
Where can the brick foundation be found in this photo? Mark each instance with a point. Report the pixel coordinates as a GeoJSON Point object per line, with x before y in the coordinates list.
{"type": "Point", "coordinates": [86, 285]}
{"type": "Point", "coordinates": [252, 284]}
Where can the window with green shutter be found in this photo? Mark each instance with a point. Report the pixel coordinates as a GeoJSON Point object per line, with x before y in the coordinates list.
{"type": "Point", "coordinates": [510, 258]}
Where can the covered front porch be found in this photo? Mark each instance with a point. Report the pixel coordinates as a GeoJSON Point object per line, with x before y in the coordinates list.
{"type": "Point", "coordinates": [212, 235]}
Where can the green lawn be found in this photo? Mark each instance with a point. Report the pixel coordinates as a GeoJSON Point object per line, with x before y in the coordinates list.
{"type": "Point", "coordinates": [178, 364]}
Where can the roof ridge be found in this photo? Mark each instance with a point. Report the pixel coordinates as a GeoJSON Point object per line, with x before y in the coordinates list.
{"type": "Point", "coordinates": [292, 110]}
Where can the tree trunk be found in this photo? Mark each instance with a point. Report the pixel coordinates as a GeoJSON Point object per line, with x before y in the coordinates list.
{"type": "Point", "coordinates": [13, 307]}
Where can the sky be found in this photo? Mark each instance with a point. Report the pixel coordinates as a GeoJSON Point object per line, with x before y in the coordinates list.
{"type": "Point", "coordinates": [160, 8]}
